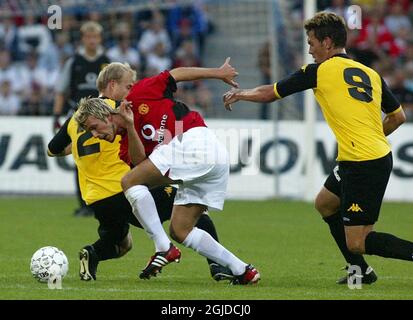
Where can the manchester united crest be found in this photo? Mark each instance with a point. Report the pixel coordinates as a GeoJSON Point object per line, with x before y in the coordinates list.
{"type": "Point", "coordinates": [143, 109]}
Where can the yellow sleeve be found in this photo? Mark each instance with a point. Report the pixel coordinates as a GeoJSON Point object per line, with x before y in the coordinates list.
{"type": "Point", "coordinates": [395, 111]}
{"type": "Point", "coordinates": [276, 91]}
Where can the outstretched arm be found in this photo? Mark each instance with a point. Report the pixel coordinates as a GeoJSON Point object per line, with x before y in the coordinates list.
{"type": "Point", "coordinates": [303, 79]}
{"type": "Point", "coordinates": [226, 73]}
{"type": "Point", "coordinates": [261, 94]}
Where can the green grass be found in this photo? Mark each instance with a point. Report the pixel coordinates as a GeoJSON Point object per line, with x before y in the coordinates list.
{"type": "Point", "coordinates": [287, 241]}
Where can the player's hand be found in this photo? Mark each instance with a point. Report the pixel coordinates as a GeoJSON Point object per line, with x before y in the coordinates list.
{"type": "Point", "coordinates": [56, 124]}
{"type": "Point", "coordinates": [126, 113]}
{"type": "Point", "coordinates": [230, 97]}
{"type": "Point", "coordinates": [228, 73]}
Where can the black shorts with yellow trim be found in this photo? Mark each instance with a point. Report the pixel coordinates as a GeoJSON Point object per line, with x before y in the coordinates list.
{"type": "Point", "coordinates": [115, 213]}
{"type": "Point", "coordinates": [363, 185]}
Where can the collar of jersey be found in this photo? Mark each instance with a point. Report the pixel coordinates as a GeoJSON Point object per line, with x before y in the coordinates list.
{"type": "Point", "coordinates": [341, 55]}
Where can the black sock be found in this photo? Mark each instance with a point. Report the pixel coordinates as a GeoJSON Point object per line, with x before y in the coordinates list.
{"type": "Point", "coordinates": [205, 223]}
{"type": "Point", "coordinates": [335, 222]}
{"type": "Point", "coordinates": [388, 246]}
{"type": "Point", "coordinates": [105, 251]}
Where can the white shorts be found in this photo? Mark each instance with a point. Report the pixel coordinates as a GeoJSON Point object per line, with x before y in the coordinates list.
{"type": "Point", "coordinates": [198, 159]}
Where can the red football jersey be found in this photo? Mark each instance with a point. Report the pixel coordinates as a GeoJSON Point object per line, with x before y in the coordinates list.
{"type": "Point", "coordinates": [158, 117]}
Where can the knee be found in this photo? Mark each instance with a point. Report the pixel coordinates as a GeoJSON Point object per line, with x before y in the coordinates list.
{"type": "Point", "coordinates": [124, 249]}
{"type": "Point", "coordinates": [325, 208]}
{"type": "Point", "coordinates": [177, 234]}
{"type": "Point", "coordinates": [355, 246]}
{"type": "Point", "coordinates": [318, 205]}
{"type": "Point", "coordinates": [126, 182]}
{"type": "Point", "coordinates": [125, 246]}
{"type": "Point", "coordinates": [321, 207]}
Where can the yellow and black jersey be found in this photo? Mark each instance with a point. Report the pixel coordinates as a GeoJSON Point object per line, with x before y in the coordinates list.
{"type": "Point", "coordinates": [352, 97]}
{"type": "Point", "coordinates": [100, 169]}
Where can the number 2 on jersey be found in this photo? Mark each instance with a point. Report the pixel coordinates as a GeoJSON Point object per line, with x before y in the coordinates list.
{"type": "Point", "coordinates": [83, 150]}
{"type": "Point", "coordinates": [366, 94]}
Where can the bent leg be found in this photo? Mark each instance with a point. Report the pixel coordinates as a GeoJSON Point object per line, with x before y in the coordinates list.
{"type": "Point", "coordinates": [388, 246]}
{"type": "Point", "coordinates": [125, 245]}
{"type": "Point", "coordinates": [182, 229]}
{"type": "Point", "coordinates": [356, 237]}
{"type": "Point", "coordinates": [135, 186]}
{"type": "Point", "coordinates": [328, 204]}
{"type": "Point", "coordinates": [363, 240]}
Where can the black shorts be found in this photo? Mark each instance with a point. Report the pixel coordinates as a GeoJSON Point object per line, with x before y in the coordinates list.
{"type": "Point", "coordinates": [333, 182]}
{"type": "Point", "coordinates": [115, 213]}
{"type": "Point", "coordinates": [362, 189]}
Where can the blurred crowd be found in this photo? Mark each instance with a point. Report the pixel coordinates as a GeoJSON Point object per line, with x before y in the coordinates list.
{"type": "Point", "coordinates": [150, 40]}
{"type": "Point", "coordinates": [384, 42]}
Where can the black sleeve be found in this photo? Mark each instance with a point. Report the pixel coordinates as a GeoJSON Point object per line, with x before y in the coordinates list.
{"type": "Point", "coordinates": [303, 79]}
{"type": "Point", "coordinates": [61, 140]}
{"type": "Point", "coordinates": [389, 102]}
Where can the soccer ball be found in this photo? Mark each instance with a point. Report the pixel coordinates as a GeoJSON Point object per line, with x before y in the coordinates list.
{"type": "Point", "coordinates": [48, 261]}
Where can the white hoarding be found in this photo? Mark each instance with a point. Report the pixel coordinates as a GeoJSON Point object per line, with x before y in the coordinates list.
{"type": "Point", "coordinates": [26, 169]}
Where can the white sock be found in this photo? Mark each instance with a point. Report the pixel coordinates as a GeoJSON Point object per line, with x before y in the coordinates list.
{"type": "Point", "coordinates": [203, 243]}
{"type": "Point", "coordinates": [144, 209]}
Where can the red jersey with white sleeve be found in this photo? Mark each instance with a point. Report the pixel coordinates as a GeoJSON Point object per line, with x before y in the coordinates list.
{"type": "Point", "coordinates": [158, 117]}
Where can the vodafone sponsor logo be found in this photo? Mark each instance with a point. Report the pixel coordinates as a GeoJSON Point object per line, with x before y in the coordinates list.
{"type": "Point", "coordinates": [148, 132]}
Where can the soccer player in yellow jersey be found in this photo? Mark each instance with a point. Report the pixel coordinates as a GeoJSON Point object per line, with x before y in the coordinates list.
{"type": "Point", "coordinates": [352, 98]}
{"type": "Point", "coordinates": [100, 171]}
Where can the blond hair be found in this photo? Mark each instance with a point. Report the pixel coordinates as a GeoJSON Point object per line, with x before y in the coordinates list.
{"type": "Point", "coordinates": [113, 71]}
{"type": "Point", "coordinates": [95, 107]}
{"type": "Point", "coordinates": [91, 26]}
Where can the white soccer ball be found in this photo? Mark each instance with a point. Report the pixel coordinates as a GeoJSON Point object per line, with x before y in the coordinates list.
{"type": "Point", "coordinates": [48, 261]}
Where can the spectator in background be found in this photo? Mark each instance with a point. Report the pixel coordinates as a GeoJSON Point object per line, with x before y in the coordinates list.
{"type": "Point", "coordinates": [402, 93]}
{"type": "Point", "coordinates": [9, 102]}
{"type": "Point", "coordinates": [158, 59]}
{"type": "Point", "coordinates": [35, 104]}
{"type": "Point", "coordinates": [10, 72]}
{"type": "Point", "coordinates": [22, 36]}
{"type": "Point", "coordinates": [339, 7]}
{"type": "Point", "coordinates": [35, 76]}
{"type": "Point", "coordinates": [185, 55]}
{"type": "Point", "coordinates": [57, 53]}
{"type": "Point", "coordinates": [8, 37]}
{"type": "Point", "coordinates": [122, 51]}
{"type": "Point", "coordinates": [155, 33]}
{"type": "Point", "coordinates": [189, 22]}
{"type": "Point", "coordinates": [406, 59]}
{"type": "Point", "coordinates": [64, 47]}
{"type": "Point", "coordinates": [184, 34]}
{"type": "Point", "coordinates": [33, 36]}
{"type": "Point", "coordinates": [374, 40]}
{"type": "Point", "coordinates": [79, 74]}
{"type": "Point", "coordinates": [397, 19]}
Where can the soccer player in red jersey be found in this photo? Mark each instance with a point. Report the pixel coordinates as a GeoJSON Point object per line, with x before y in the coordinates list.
{"type": "Point", "coordinates": [170, 144]}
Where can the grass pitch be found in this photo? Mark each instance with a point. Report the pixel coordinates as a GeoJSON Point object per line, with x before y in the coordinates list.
{"type": "Point", "coordinates": [287, 241]}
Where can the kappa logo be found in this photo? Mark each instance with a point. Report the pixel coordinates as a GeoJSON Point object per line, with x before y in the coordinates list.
{"type": "Point", "coordinates": [143, 109]}
{"type": "Point", "coordinates": [355, 208]}
{"type": "Point", "coordinates": [168, 191]}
